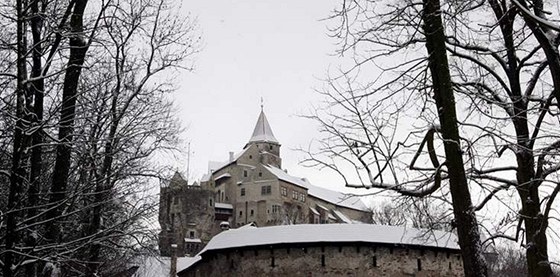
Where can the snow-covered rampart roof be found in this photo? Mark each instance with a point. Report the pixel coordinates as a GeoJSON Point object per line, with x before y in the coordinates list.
{"type": "Point", "coordinates": [335, 233]}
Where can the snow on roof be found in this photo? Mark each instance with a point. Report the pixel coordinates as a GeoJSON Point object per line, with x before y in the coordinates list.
{"type": "Point", "coordinates": [262, 131]}
{"type": "Point", "coordinates": [223, 206]}
{"type": "Point", "coordinates": [184, 262]}
{"type": "Point", "coordinates": [225, 175]}
{"type": "Point", "coordinates": [337, 198]}
{"type": "Point", "coordinates": [334, 197]}
{"type": "Point", "coordinates": [248, 225]}
{"type": "Point", "coordinates": [159, 266]}
{"type": "Point", "coordinates": [214, 166]}
{"type": "Point", "coordinates": [312, 233]}
{"type": "Point", "coordinates": [342, 217]}
{"type": "Point", "coordinates": [280, 174]}
{"type": "Point", "coordinates": [314, 211]}
{"type": "Point", "coordinates": [206, 177]}
{"type": "Point", "coordinates": [193, 240]}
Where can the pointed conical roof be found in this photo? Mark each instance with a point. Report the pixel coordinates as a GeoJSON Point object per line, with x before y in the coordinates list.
{"type": "Point", "coordinates": [263, 132]}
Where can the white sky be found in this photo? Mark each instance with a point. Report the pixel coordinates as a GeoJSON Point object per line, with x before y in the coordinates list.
{"type": "Point", "coordinates": [277, 50]}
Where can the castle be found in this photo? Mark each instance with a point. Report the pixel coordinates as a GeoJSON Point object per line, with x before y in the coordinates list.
{"type": "Point", "coordinates": [249, 188]}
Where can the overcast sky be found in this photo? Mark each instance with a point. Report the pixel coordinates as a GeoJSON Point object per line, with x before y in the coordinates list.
{"type": "Point", "coordinates": [277, 50]}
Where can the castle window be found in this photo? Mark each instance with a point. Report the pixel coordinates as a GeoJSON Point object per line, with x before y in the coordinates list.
{"type": "Point", "coordinates": [266, 190]}
{"type": "Point", "coordinates": [210, 202]}
{"type": "Point", "coordinates": [244, 173]}
{"type": "Point", "coordinates": [191, 234]}
{"type": "Point", "coordinates": [240, 213]}
{"type": "Point", "coordinates": [270, 147]}
{"type": "Point", "coordinates": [242, 191]}
{"type": "Point", "coordinates": [374, 261]}
{"type": "Point", "coordinates": [284, 191]}
{"type": "Point", "coordinates": [275, 209]}
{"type": "Point", "coordinates": [302, 197]}
{"type": "Point", "coordinates": [252, 212]}
{"type": "Point", "coordinates": [250, 157]}
{"type": "Point", "coordinates": [419, 262]}
{"type": "Point", "coordinates": [322, 260]}
{"type": "Point", "coordinates": [294, 195]}
{"type": "Point", "coordinates": [260, 174]}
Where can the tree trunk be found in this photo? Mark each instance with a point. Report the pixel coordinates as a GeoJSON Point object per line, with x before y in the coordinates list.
{"type": "Point", "coordinates": [535, 224]}
{"type": "Point", "coordinates": [37, 89]}
{"type": "Point", "coordinates": [18, 172]}
{"type": "Point", "coordinates": [467, 226]}
{"type": "Point", "coordinates": [78, 49]}
{"type": "Point", "coordinates": [527, 188]}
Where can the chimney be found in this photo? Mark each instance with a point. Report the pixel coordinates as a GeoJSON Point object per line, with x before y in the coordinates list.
{"type": "Point", "coordinates": [230, 156]}
{"type": "Point", "coordinates": [173, 269]}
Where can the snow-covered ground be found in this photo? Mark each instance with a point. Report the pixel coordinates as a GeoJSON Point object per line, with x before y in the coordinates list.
{"type": "Point", "coordinates": [159, 266]}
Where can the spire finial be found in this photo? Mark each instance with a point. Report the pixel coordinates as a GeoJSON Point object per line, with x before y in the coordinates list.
{"type": "Point", "coordinates": [262, 104]}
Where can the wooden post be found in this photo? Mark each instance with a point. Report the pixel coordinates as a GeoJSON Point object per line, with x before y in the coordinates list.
{"type": "Point", "coordinates": [173, 269]}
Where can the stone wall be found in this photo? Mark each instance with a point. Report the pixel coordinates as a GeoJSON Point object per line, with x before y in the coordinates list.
{"type": "Point", "coordinates": [185, 212]}
{"type": "Point", "coordinates": [328, 260]}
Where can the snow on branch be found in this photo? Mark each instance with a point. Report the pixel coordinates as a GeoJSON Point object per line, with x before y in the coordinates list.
{"type": "Point", "coordinates": [536, 18]}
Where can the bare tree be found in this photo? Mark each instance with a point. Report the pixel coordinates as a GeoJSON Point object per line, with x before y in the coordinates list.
{"type": "Point", "coordinates": [85, 126]}
{"type": "Point", "coordinates": [418, 213]}
{"type": "Point", "coordinates": [356, 135]}
{"type": "Point", "coordinates": [503, 79]}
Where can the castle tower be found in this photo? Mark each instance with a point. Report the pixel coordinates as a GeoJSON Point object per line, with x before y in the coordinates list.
{"type": "Point", "coordinates": [264, 140]}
